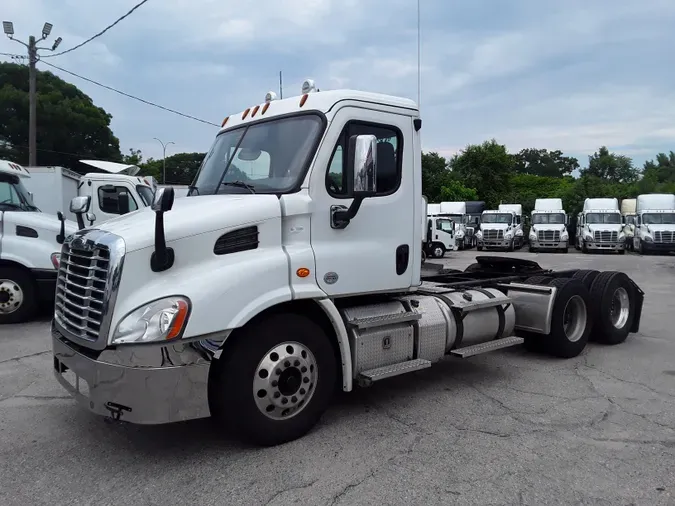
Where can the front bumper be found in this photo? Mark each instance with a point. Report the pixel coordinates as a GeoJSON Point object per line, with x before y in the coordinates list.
{"type": "Point", "coordinates": [549, 244]}
{"type": "Point", "coordinates": [658, 246]}
{"type": "Point", "coordinates": [606, 246]}
{"type": "Point", "coordinates": [501, 243]}
{"type": "Point", "coordinates": [143, 384]}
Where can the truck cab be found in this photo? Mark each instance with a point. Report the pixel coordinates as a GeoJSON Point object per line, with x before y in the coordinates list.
{"type": "Point", "coordinates": [292, 269]}
{"type": "Point", "coordinates": [29, 247]}
{"type": "Point", "coordinates": [655, 223]}
{"type": "Point", "coordinates": [441, 232]}
{"type": "Point", "coordinates": [600, 226]}
{"type": "Point", "coordinates": [498, 229]}
{"type": "Point", "coordinates": [474, 210]}
{"type": "Point", "coordinates": [548, 230]}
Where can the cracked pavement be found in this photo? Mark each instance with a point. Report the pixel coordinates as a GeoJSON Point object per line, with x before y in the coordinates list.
{"type": "Point", "coordinates": [507, 427]}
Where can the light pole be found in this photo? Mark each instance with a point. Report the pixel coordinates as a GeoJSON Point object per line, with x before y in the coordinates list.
{"type": "Point", "coordinates": [164, 157]}
{"type": "Point", "coordinates": [8, 28]}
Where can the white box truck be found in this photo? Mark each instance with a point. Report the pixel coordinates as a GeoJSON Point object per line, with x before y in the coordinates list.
{"type": "Point", "coordinates": [501, 228]}
{"type": "Point", "coordinates": [53, 188]}
{"type": "Point", "coordinates": [440, 233]}
{"type": "Point", "coordinates": [253, 304]}
{"type": "Point", "coordinates": [600, 227]}
{"type": "Point", "coordinates": [30, 247]}
{"type": "Point", "coordinates": [655, 223]}
{"type": "Point", "coordinates": [548, 230]}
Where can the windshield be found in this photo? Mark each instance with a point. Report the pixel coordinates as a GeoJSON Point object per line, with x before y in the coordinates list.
{"type": "Point", "coordinates": [595, 218]}
{"type": "Point", "coordinates": [497, 218]}
{"type": "Point", "coordinates": [444, 224]}
{"type": "Point", "coordinates": [552, 218]}
{"type": "Point", "coordinates": [146, 194]}
{"type": "Point", "coordinates": [268, 157]}
{"type": "Point", "coordinates": [13, 195]}
{"type": "Point", "coordinates": [658, 218]}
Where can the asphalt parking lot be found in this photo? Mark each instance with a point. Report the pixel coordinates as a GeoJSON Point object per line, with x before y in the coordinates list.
{"type": "Point", "coordinates": [503, 428]}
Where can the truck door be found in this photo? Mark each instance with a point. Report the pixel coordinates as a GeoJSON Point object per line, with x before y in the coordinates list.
{"type": "Point", "coordinates": [105, 199]}
{"type": "Point", "coordinates": [375, 251]}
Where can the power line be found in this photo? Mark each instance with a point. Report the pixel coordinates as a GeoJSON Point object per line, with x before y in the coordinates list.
{"type": "Point", "coordinates": [99, 33]}
{"type": "Point", "coordinates": [130, 96]}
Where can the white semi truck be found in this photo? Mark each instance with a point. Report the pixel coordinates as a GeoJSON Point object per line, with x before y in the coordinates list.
{"type": "Point", "coordinates": [259, 294]}
{"type": "Point", "coordinates": [600, 227]}
{"type": "Point", "coordinates": [114, 192]}
{"type": "Point", "coordinates": [655, 223]}
{"type": "Point", "coordinates": [440, 233]}
{"type": "Point", "coordinates": [548, 230]}
{"type": "Point", "coordinates": [30, 247]}
{"type": "Point", "coordinates": [501, 228]}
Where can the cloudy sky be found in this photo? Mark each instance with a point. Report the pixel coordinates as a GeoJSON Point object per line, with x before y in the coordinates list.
{"type": "Point", "coordinates": [569, 75]}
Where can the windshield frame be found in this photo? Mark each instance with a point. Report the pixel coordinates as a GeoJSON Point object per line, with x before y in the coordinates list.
{"type": "Point", "coordinates": [511, 216]}
{"type": "Point", "coordinates": [642, 218]}
{"type": "Point", "coordinates": [536, 214]}
{"type": "Point", "coordinates": [243, 128]}
{"type": "Point", "coordinates": [603, 214]}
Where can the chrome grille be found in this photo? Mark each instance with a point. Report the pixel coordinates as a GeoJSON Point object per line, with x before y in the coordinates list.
{"type": "Point", "coordinates": [493, 234]}
{"type": "Point", "coordinates": [548, 235]}
{"type": "Point", "coordinates": [665, 236]}
{"type": "Point", "coordinates": [80, 289]}
{"type": "Point", "coordinates": [605, 236]}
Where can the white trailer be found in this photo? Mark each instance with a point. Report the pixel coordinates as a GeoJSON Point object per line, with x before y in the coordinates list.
{"type": "Point", "coordinates": [548, 229]}
{"type": "Point", "coordinates": [30, 247]}
{"type": "Point", "coordinates": [655, 223]}
{"type": "Point", "coordinates": [440, 233]}
{"type": "Point", "coordinates": [600, 226]}
{"type": "Point", "coordinates": [114, 192]}
{"type": "Point", "coordinates": [262, 293]}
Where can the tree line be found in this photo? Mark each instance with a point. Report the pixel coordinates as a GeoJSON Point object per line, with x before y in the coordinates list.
{"type": "Point", "coordinates": [71, 127]}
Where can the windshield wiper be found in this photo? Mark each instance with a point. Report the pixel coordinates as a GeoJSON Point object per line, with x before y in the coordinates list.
{"type": "Point", "coordinates": [191, 187]}
{"type": "Point", "coordinates": [13, 205]}
{"type": "Point", "coordinates": [239, 184]}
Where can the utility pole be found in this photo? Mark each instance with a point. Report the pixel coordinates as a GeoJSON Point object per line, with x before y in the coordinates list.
{"type": "Point", "coordinates": [33, 57]}
{"type": "Point", "coordinates": [164, 157]}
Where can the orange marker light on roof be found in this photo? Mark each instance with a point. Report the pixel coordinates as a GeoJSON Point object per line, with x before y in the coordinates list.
{"type": "Point", "coordinates": [224, 122]}
{"type": "Point", "coordinates": [243, 116]}
{"type": "Point", "coordinates": [302, 272]}
{"type": "Point", "coordinates": [255, 110]}
{"type": "Point", "coordinates": [304, 99]}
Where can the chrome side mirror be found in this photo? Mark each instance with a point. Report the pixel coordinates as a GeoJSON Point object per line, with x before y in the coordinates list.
{"type": "Point", "coordinates": [363, 149]}
{"type": "Point", "coordinates": [80, 205]}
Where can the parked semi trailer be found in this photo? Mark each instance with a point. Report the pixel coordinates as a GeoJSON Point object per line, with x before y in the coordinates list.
{"type": "Point", "coordinates": [655, 223]}
{"type": "Point", "coordinates": [257, 297]}
{"type": "Point", "coordinates": [600, 227]}
{"type": "Point", "coordinates": [549, 226]}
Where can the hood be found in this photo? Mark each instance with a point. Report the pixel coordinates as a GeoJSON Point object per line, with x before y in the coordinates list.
{"type": "Point", "coordinates": [548, 226]}
{"type": "Point", "coordinates": [192, 216]}
{"type": "Point", "coordinates": [661, 228]}
{"type": "Point", "coordinates": [42, 222]}
{"type": "Point", "coordinates": [600, 227]}
{"type": "Point", "coordinates": [494, 226]}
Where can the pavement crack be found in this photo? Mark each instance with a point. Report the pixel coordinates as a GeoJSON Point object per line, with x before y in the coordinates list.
{"type": "Point", "coordinates": [290, 489]}
{"type": "Point", "coordinates": [17, 359]}
{"type": "Point", "coordinates": [338, 497]}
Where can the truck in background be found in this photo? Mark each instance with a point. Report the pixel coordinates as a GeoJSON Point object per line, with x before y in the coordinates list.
{"type": "Point", "coordinates": [497, 230]}
{"type": "Point", "coordinates": [548, 226]}
{"type": "Point", "coordinates": [258, 297]}
{"type": "Point", "coordinates": [30, 247]}
{"type": "Point", "coordinates": [628, 214]}
{"type": "Point", "coordinates": [517, 227]}
{"type": "Point", "coordinates": [114, 192]}
{"type": "Point", "coordinates": [455, 211]}
{"type": "Point", "coordinates": [600, 227]}
{"type": "Point", "coordinates": [474, 209]}
{"type": "Point", "coordinates": [441, 233]}
{"type": "Point", "coordinates": [655, 223]}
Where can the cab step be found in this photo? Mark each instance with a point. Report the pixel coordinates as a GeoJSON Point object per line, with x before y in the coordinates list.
{"type": "Point", "coordinates": [381, 321]}
{"type": "Point", "coordinates": [388, 371]}
{"type": "Point", "coordinates": [497, 344]}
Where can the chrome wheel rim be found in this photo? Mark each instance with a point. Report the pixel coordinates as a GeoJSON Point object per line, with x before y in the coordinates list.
{"type": "Point", "coordinates": [574, 318]}
{"type": "Point", "coordinates": [438, 251]}
{"type": "Point", "coordinates": [285, 380]}
{"type": "Point", "coordinates": [11, 296]}
{"type": "Point", "coordinates": [620, 308]}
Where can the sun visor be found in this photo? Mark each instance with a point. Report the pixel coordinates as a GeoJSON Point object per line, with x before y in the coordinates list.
{"type": "Point", "coordinates": [113, 167]}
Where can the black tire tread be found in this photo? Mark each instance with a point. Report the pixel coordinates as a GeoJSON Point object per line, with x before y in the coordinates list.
{"type": "Point", "coordinates": [603, 332]}
{"type": "Point", "coordinates": [29, 306]}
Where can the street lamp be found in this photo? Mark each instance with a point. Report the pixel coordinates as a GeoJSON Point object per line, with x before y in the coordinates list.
{"type": "Point", "coordinates": [164, 157]}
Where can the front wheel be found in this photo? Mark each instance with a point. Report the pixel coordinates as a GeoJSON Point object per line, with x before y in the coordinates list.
{"type": "Point", "coordinates": [274, 380]}
{"type": "Point", "coordinates": [17, 295]}
{"type": "Point", "coordinates": [437, 251]}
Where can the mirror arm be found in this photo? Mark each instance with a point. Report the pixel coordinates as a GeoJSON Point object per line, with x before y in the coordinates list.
{"type": "Point", "coordinates": [61, 237]}
{"type": "Point", "coordinates": [80, 221]}
{"type": "Point", "coordinates": [341, 215]}
{"type": "Point", "coordinates": [162, 258]}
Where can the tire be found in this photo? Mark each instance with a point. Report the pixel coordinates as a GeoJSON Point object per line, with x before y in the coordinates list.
{"type": "Point", "coordinates": [564, 250]}
{"type": "Point", "coordinates": [438, 250]}
{"type": "Point", "coordinates": [614, 307]}
{"type": "Point", "coordinates": [511, 246]}
{"type": "Point", "coordinates": [622, 252]}
{"type": "Point", "coordinates": [571, 319]}
{"type": "Point", "coordinates": [584, 249]}
{"type": "Point", "coordinates": [17, 295]}
{"type": "Point", "coordinates": [424, 256]}
{"type": "Point", "coordinates": [237, 385]}
{"type": "Point", "coordinates": [641, 248]}
{"type": "Point", "coordinates": [586, 276]}
{"type": "Point", "coordinates": [479, 248]}
{"type": "Point", "coordinates": [460, 245]}
{"type": "Point", "coordinates": [538, 280]}
{"type": "Point", "coordinates": [532, 250]}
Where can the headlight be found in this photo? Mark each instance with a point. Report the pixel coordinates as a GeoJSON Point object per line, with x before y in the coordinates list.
{"type": "Point", "coordinates": [622, 235]}
{"type": "Point", "coordinates": [647, 238]}
{"type": "Point", "coordinates": [479, 234]}
{"type": "Point", "coordinates": [564, 236]}
{"type": "Point", "coordinates": [519, 232]}
{"type": "Point", "coordinates": [160, 320]}
{"type": "Point", "coordinates": [460, 234]}
{"type": "Point", "coordinates": [588, 237]}
{"type": "Point", "coordinates": [533, 236]}
{"type": "Point", "coordinates": [508, 235]}
{"type": "Point", "coordinates": [56, 260]}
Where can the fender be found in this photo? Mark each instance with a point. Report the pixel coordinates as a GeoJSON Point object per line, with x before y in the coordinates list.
{"type": "Point", "coordinates": [333, 315]}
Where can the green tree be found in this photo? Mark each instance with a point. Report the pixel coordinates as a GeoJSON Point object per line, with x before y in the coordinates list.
{"type": "Point", "coordinates": [526, 188]}
{"type": "Point", "coordinates": [69, 126]}
{"type": "Point", "coordinates": [181, 168]}
{"type": "Point", "coordinates": [486, 167]}
{"type": "Point", "coordinates": [611, 167]}
{"type": "Point", "coordinates": [455, 191]}
{"type": "Point", "coordinates": [542, 162]}
{"type": "Point", "coordinates": [135, 157]}
{"type": "Point", "coordinates": [435, 175]}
